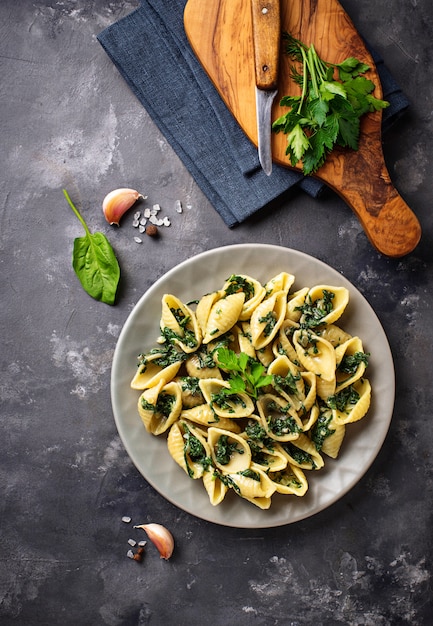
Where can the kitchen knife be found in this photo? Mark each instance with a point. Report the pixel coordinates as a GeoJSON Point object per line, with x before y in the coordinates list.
{"type": "Point", "coordinates": [266, 36]}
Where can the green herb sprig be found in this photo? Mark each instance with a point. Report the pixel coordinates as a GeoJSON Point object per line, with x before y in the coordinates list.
{"type": "Point", "coordinates": [246, 374]}
{"type": "Point", "coordinates": [94, 262]}
{"type": "Point", "coordinates": [328, 111]}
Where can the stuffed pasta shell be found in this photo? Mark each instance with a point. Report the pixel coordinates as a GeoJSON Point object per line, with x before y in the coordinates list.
{"type": "Point", "coordinates": [254, 485]}
{"type": "Point", "coordinates": [179, 324]}
{"type": "Point", "coordinates": [159, 407]}
{"type": "Point", "coordinates": [230, 452]}
{"type": "Point", "coordinates": [189, 448]}
{"type": "Point", "coordinates": [223, 315]}
{"type": "Point", "coordinates": [351, 362]}
{"type": "Point", "coordinates": [267, 319]}
{"type": "Point", "coordinates": [279, 419]}
{"type": "Point", "coordinates": [223, 404]}
{"type": "Point", "coordinates": [290, 481]}
{"type": "Point", "coordinates": [281, 282]}
{"type": "Point", "coordinates": [253, 290]}
{"type": "Point", "coordinates": [303, 453]}
{"type": "Point", "coordinates": [154, 368]}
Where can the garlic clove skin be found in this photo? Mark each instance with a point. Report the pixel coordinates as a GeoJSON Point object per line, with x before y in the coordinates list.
{"type": "Point", "coordinates": [161, 538]}
{"type": "Point", "coordinates": [117, 202]}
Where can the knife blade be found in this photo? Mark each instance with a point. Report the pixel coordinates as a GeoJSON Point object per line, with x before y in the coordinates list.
{"type": "Point", "coordinates": [266, 23]}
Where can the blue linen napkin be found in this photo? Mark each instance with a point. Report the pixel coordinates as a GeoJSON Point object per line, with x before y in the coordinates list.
{"type": "Point", "coordinates": [152, 53]}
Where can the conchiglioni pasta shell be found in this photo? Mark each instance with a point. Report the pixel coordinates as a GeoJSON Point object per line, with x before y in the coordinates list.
{"type": "Point", "coordinates": [355, 412]}
{"type": "Point", "coordinates": [223, 316]}
{"type": "Point", "coordinates": [310, 418]}
{"type": "Point", "coordinates": [274, 306]}
{"type": "Point", "coordinates": [281, 282]}
{"type": "Point", "coordinates": [283, 366]}
{"type": "Point", "coordinates": [190, 398]}
{"type": "Point", "coordinates": [205, 417]}
{"type": "Point", "coordinates": [150, 396]}
{"type": "Point", "coordinates": [236, 405]}
{"type": "Point", "coordinates": [177, 446]}
{"type": "Point", "coordinates": [249, 487]}
{"type": "Point", "coordinates": [240, 458]}
{"type": "Point", "coordinates": [273, 410]}
{"type": "Point", "coordinates": [339, 302]}
{"type": "Point", "coordinates": [283, 343]}
{"type": "Point", "coordinates": [332, 444]}
{"type": "Point", "coordinates": [303, 444]}
{"type": "Point", "coordinates": [195, 368]}
{"type": "Point", "coordinates": [155, 421]}
{"type": "Point", "coordinates": [334, 334]}
{"type": "Point", "coordinates": [204, 307]}
{"type": "Point", "coordinates": [150, 375]}
{"type": "Point", "coordinates": [265, 355]}
{"type": "Point", "coordinates": [215, 488]}
{"type": "Point", "coordinates": [294, 302]}
{"type": "Point", "coordinates": [274, 459]}
{"type": "Point", "coordinates": [243, 341]}
{"type": "Point", "coordinates": [315, 354]}
{"type": "Point", "coordinates": [310, 386]}
{"type": "Point", "coordinates": [268, 458]}
{"type": "Point", "coordinates": [168, 320]}
{"type": "Point", "coordinates": [325, 388]}
{"type": "Point", "coordinates": [290, 480]}
{"type": "Point", "coordinates": [350, 347]}
{"type": "Point", "coordinates": [251, 302]}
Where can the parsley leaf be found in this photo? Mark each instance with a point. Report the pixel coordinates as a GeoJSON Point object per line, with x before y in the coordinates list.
{"type": "Point", "coordinates": [328, 111]}
{"type": "Point", "coordinates": [246, 374]}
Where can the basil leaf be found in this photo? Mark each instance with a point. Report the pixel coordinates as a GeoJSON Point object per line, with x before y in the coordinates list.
{"type": "Point", "coordinates": [96, 266]}
{"type": "Point", "coordinates": [95, 262]}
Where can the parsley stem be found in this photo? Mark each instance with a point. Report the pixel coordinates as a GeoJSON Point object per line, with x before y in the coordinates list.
{"type": "Point", "coordinates": [304, 82]}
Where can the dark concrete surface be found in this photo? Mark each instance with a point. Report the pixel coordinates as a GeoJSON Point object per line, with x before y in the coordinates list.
{"type": "Point", "coordinates": [69, 120]}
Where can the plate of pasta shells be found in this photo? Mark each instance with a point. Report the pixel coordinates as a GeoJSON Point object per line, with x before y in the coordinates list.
{"type": "Point", "coordinates": [252, 385]}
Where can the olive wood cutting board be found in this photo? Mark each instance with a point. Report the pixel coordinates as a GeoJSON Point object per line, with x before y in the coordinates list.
{"type": "Point", "coordinates": [220, 34]}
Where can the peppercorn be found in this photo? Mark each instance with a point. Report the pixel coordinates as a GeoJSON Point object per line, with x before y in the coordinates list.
{"type": "Point", "coordinates": [152, 230]}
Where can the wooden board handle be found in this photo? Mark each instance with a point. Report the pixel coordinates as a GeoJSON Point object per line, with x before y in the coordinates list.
{"type": "Point", "coordinates": [266, 36]}
{"type": "Point", "coordinates": [392, 228]}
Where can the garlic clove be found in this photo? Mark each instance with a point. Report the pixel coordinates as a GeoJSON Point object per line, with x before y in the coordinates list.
{"type": "Point", "coordinates": [117, 202]}
{"type": "Point", "coordinates": [160, 537]}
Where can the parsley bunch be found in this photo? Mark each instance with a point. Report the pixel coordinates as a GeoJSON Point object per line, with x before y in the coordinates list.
{"type": "Point", "coordinates": [246, 374]}
{"type": "Point", "coordinates": [328, 111]}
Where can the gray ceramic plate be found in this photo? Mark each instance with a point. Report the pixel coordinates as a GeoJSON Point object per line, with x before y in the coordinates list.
{"type": "Point", "coordinates": [202, 274]}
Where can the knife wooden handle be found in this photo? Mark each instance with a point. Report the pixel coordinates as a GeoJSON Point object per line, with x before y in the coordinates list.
{"type": "Point", "coordinates": [266, 35]}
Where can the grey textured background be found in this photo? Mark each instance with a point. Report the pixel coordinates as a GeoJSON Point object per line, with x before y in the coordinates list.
{"type": "Point", "coordinates": [68, 120]}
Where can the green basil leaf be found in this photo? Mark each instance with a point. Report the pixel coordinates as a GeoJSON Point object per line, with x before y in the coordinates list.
{"type": "Point", "coordinates": [96, 266]}
{"type": "Point", "coordinates": [94, 262]}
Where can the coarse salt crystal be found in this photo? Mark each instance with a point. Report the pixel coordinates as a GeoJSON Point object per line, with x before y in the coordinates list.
{"type": "Point", "coordinates": [141, 228]}
{"type": "Point", "coordinates": [126, 519]}
{"type": "Point", "coordinates": [138, 240]}
{"type": "Point", "coordinates": [141, 544]}
{"type": "Point", "coordinates": [135, 223]}
{"type": "Point", "coordinates": [143, 221]}
{"type": "Point", "coordinates": [178, 206]}
{"type": "Point", "coordinates": [146, 213]}
{"type": "Point", "coordinates": [155, 220]}
{"type": "Point", "coordinates": [132, 542]}
{"type": "Point", "coordinates": [156, 208]}
{"type": "Point", "coordinates": [166, 221]}
{"type": "Point", "coordinates": [137, 215]}
{"type": "Point", "coordinates": [130, 554]}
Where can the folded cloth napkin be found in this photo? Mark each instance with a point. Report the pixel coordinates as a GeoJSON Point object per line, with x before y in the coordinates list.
{"type": "Point", "coordinates": [151, 51]}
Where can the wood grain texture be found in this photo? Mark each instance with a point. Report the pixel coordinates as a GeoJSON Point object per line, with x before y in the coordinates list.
{"type": "Point", "coordinates": [220, 33]}
{"type": "Point", "coordinates": [266, 23]}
